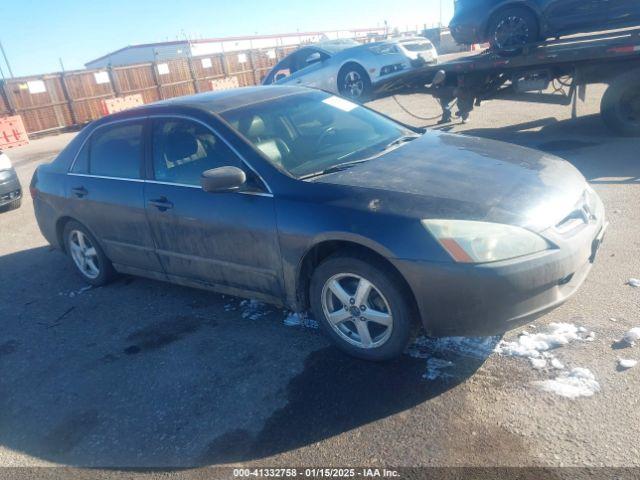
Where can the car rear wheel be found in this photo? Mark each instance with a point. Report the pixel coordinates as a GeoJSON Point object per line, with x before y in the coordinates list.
{"type": "Point", "coordinates": [511, 29]}
{"type": "Point", "coordinates": [87, 255]}
{"type": "Point", "coordinates": [620, 106]}
{"type": "Point", "coordinates": [361, 306]}
{"type": "Point", "coordinates": [354, 83]}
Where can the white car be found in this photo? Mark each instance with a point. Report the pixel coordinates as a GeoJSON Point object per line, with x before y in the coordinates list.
{"type": "Point", "coordinates": [344, 67]}
{"type": "Point", "coordinates": [417, 49]}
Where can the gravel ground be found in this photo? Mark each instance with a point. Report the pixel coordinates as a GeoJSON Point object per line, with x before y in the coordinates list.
{"type": "Point", "coordinates": [141, 373]}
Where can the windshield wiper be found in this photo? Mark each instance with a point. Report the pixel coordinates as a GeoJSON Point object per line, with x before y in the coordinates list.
{"type": "Point", "coordinates": [343, 166]}
{"type": "Point", "coordinates": [401, 140]}
{"type": "Point", "coordinates": [335, 168]}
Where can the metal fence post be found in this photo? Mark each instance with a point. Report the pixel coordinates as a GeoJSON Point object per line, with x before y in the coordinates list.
{"type": "Point", "coordinates": [67, 97]}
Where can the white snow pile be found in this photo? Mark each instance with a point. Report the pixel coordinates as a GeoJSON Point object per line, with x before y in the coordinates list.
{"type": "Point", "coordinates": [431, 348]}
{"type": "Point", "coordinates": [634, 282]}
{"type": "Point", "coordinates": [434, 367]}
{"type": "Point", "coordinates": [625, 363]}
{"type": "Point", "coordinates": [252, 309]}
{"type": "Point", "coordinates": [631, 337]}
{"type": "Point", "coordinates": [579, 382]}
{"type": "Point", "coordinates": [293, 319]}
{"type": "Point", "coordinates": [536, 347]}
{"type": "Point", "coordinates": [474, 347]}
{"type": "Point", "coordinates": [75, 293]}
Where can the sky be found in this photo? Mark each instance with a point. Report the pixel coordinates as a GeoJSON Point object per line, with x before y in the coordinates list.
{"type": "Point", "coordinates": [77, 31]}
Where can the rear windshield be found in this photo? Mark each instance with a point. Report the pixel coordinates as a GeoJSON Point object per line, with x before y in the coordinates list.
{"type": "Point", "coordinates": [417, 46]}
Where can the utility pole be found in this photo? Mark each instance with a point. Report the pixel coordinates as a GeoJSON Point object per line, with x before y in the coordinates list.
{"type": "Point", "coordinates": [6, 60]}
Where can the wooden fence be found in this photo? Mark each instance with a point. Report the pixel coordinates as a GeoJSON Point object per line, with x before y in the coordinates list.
{"type": "Point", "coordinates": [61, 100]}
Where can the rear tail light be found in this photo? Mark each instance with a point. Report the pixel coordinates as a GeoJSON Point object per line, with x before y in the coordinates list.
{"type": "Point", "coordinates": [33, 191]}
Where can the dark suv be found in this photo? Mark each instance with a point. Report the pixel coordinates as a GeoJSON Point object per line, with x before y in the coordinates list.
{"type": "Point", "coordinates": [510, 24]}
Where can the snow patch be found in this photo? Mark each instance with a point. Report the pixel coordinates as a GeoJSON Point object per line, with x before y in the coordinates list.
{"type": "Point", "coordinates": [579, 382]}
{"type": "Point", "coordinates": [434, 367]}
{"type": "Point", "coordinates": [626, 363]}
{"type": "Point", "coordinates": [631, 337]}
{"type": "Point", "coordinates": [75, 293]}
{"type": "Point", "coordinates": [474, 347]}
{"type": "Point", "coordinates": [536, 346]}
{"type": "Point", "coordinates": [634, 282]}
{"type": "Point", "coordinates": [294, 319]}
{"type": "Point", "coordinates": [252, 309]}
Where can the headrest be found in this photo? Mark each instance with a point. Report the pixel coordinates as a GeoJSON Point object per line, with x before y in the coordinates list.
{"type": "Point", "coordinates": [179, 145]}
{"type": "Point", "coordinates": [257, 127]}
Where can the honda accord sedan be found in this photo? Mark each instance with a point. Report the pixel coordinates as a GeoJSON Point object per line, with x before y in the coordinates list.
{"type": "Point", "coordinates": [510, 24]}
{"type": "Point", "coordinates": [303, 199]}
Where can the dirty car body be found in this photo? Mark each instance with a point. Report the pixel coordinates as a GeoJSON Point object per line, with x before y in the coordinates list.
{"type": "Point", "coordinates": [407, 205]}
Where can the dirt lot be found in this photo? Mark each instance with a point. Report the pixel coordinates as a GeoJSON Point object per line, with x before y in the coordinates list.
{"type": "Point", "coordinates": [142, 373]}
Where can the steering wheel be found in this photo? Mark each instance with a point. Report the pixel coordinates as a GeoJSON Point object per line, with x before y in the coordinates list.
{"type": "Point", "coordinates": [323, 136]}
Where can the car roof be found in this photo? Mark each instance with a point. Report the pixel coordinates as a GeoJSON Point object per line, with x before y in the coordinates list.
{"type": "Point", "coordinates": [216, 102]}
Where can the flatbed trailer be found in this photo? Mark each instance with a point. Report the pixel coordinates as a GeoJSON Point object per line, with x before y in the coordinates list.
{"type": "Point", "coordinates": [568, 65]}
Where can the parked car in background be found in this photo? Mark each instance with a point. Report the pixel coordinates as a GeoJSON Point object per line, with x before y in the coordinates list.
{"type": "Point", "coordinates": [345, 67]}
{"type": "Point", "coordinates": [10, 189]}
{"type": "Point", "coordinates": [418, 49]}
{"type": "Point", "coordinates": [307, 200]}
{"type": "Point", "coordinates": [509, 24]}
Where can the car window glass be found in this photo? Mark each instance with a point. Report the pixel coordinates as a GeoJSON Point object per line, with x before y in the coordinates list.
{"type": "Point", "coordinates": [116, 151]}
{"type": "Point", "coordinates": [183, 149]}
{"type": "Point", "coordinates": [308, 132]}
{"type": "Point", "coordinates": [81, 164]}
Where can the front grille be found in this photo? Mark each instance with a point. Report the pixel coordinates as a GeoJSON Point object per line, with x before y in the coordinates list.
{"type": "Point", "coordinates": [582, 214]}
{"type": "Point", "coordinates": [10, 196]}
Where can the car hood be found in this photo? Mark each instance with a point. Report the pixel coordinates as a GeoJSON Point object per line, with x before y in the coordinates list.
{"type": "Point", "coordinates": [460, 177]}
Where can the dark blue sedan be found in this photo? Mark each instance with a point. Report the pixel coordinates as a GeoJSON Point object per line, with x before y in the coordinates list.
{"type": "Point", "coordinates": [510, 24]}
{"type": "Point", "coordinates": [306, 200]}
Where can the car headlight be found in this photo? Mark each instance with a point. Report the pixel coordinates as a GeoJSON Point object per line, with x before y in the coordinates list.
{"type": "Point", "coordinates": [5, 163]}
{"type": "Point", "coordinates": [383, 49]}
{"type": "Point", "coordinates": [480, 242]}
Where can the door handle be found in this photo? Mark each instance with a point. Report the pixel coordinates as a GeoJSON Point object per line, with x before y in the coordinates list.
{"type": "Point", "coordinates": [161, 204]}
{"type": "Point", "coordinates": [80, 192]}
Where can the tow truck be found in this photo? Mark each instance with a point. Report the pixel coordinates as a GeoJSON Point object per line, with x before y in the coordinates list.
{"type": "Point", "coordinates": [566, 65]}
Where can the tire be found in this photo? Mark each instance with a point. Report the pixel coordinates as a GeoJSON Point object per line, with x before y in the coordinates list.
{"type": "Point", "coordinates": [104, 269]}
{"type": "Point", "coordinates": [386, 302]}
{"type": "Point", "coordinates": [620, 105]}
{"type": "Point", "coordinates": [526, 31]}
{"type": "Point", "coordinates": [14, 205]}
{"type": "Point", "coordinates": [354, 83]}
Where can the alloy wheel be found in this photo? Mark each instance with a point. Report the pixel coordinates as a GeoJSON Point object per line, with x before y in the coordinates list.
{"type": "Point", "coordinates": [84, 254]}
{"type": "Point", "coordinates": [353, 84]}
{"type": "Point", "coordinates": [511, 33]}
{"type": "Point", "coordinates": [357, 310]}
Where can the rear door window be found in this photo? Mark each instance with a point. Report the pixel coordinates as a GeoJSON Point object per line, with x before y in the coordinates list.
{"type": "Point", "coordinates": [116, 151]}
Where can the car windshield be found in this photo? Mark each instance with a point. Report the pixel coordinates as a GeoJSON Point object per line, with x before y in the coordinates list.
{"type": "Point", "coordinates": [309, 133]}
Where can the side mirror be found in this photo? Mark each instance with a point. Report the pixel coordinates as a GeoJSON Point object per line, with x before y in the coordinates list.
{"type": "Point", "coordinates": [223, 179]}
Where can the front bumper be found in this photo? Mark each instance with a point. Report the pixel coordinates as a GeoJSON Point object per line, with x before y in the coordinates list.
{"type": "Point", "coordinates": [10, 189]}
{"type": "Point", "coordinates": [476, 300]}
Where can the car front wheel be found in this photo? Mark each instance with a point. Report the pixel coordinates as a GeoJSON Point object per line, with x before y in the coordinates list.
{"type": "Point", "coordinates": [354, 83]}
{"type": "Point", "coordinates": [361, 305]}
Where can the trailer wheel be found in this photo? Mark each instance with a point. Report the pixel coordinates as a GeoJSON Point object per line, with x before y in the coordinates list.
{"type": "Point", "coordinates": [620, 106]}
